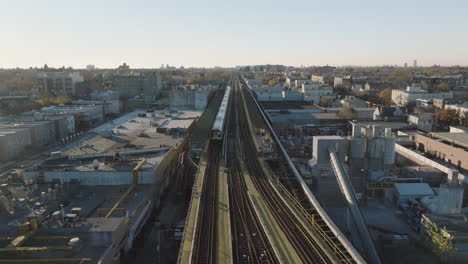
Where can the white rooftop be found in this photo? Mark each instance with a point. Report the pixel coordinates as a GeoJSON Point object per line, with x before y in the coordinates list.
{"type": "Point", "coordinates": [414, 189]}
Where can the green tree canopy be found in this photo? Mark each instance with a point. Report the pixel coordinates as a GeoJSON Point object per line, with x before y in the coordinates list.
{"type": "Point", "coordinates": [443, 87]}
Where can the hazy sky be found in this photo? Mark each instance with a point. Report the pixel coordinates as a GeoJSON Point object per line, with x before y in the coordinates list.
{"type": "Point", "coordinates": [228, 33]}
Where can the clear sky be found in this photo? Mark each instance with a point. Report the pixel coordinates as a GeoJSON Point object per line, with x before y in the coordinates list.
{"type": "Point", "coordinates": [148, 33]}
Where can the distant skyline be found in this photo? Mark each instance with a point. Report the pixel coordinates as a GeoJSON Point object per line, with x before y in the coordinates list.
{"type": "Point", "coordinates": [207, 33]}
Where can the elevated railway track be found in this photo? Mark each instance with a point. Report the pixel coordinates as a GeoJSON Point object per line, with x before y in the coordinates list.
{"type": "Point", "coordinates": [302, 222]}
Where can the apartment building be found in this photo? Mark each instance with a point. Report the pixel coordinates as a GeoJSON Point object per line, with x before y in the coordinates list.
{"type": "Point", "coordinates": [58, 83]}
{"type": "Point", "coordinates": [315, 91]}
{"type": "Point", "coordinates": [414, 92]}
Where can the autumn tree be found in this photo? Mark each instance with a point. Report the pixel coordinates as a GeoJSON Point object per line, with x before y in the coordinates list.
{"type": "Point", "coordinates": [325, 101]}
{"type": "Point", "coordinates": [272, 82]}
{"type": "Point", "coordinates": [47, 100]}
{"type": "Point", "coordinates": [347, 112]}
{"type": "Point", "coordinates": [217, 75]}
{"type": "Point", "coordinates": [19, 85]}
{"type": "Point", "coordinates": [448, 116]}
{"type": "Point", "coordinates": [385, 96]}
{"type": "Point", "coordinates": [194, 80]}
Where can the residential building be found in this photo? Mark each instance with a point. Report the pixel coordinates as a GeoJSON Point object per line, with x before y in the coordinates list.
{"type": "Point", "coordinates": [292, 82]}
{"type": "Point", "coordinates": [353, 101]}
{"type": "Point", "coordinates": [147, 85]}
{"type": "Point", "coordinates": [58, 83]}
{"type": "Point", "coordinates": [342, 81]}
{"type": "Point", "coordinates": [462, 109]}
{"type": "Point", "coordinates": [315, 91]}
{"type": "Point", "coordinates": [107, 95]}
{"type": "Point", "coordinates": [389, 113]}
{"type": "Point", "coordinates": [452, 80]}
{"type": "Point", "coordinates": [424, 122]}
{"type": "Point", "coordinates": [357, 88]}
{"type": "Point", "coordinates": [293, 95]}
{"type": "Point", "coordinates": [192, 96]}
{"type": "Point", "coordinates": [414, 92]}
{"type": "Point", "coordinates": [322, 78]}
{"type": "Point", "coordinates": [123, 69]}
{"type": "Point", "coordinates": [440, 103]}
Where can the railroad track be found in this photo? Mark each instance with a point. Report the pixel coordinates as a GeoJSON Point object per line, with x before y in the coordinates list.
{"type": "Point", "coordinates": [250, 242]}
{"type": "Point", "coordinates": [294, 193]}
{"type": "Point", "coordinates": [307, 248]}
{"type": "Point", "coordinates": [205, 244]}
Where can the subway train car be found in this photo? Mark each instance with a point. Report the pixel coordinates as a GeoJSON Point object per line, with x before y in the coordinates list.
{"type": "Point", "coordinates": [218, 125]}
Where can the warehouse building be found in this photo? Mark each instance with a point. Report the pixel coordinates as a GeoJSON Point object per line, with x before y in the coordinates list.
{"type": "Point", "coordinates": [407, 191]}
{"type": "Point", "coordinates": [13, 142]}
{"type": "Point", "coordinates": [450, 147]}
{"type": "Point", "coordinates": [41, 132]}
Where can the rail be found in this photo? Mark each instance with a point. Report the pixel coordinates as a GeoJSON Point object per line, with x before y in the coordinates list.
{"type": "Point", "coordinates": [321, 212]}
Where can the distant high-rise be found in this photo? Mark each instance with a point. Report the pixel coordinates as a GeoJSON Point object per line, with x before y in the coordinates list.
{"type": "Point", "coordinates": [415, 63]}
{"type": "Point", "coordinates": [406, 65]}
{"type": "Point", "coordinates": [90, 67]}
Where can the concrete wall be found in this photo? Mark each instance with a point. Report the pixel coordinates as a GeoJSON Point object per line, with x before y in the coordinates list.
{"type": "Point", "coordinates": [13, 144]}
{"type": "Point", "coordinates": [453, 155]}
{"type": "Point", "coordinates": [418, 158]}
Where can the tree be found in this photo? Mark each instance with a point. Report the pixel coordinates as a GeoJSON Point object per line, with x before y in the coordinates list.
{"type": "Point", "coordinates": [19, 85]}
{"type": "Point", "coordinates": [325, 101]}
{"type": "Point", "coordinates": [217, 75]}
{"type": "Point", "coordinates": [194, 80]}
{"type": "Point", "coordinates": [419, 110]}
{"type": "Point", "coordinates": [448, 116]}
{"type": "Point", "coordinates": [63, 100]}
{"type": "Point", "coordinates": [347, 112]}
{"type": "Point", "coordinates": [272, 82]}
{"type": "Point", "coordinates": [47, 101]}
{"type": "Point", "coordinates": [385, 96]}
{"type": "Point", "coordinates": [443, 87]}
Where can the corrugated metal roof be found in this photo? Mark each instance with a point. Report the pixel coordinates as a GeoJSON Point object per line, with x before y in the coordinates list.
{"type": "Point", "coordinates": [414, 189]}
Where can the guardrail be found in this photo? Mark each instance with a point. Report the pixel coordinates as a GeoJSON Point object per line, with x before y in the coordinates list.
{"type": "Point", "coordinates": [342, 238]}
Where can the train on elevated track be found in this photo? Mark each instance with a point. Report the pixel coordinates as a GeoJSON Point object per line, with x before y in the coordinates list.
{"type": "Point", "coordinates": [217, 130]}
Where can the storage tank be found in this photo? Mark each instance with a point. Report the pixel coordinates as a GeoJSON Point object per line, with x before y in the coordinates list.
{"type": "Point", "coordinates": [356, 148]}
{"type": "Point", "coordinates": [389, 154]}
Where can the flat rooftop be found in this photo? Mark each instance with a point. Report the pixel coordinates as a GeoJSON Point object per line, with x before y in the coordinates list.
{"type": "Point", "coordinates": [131, 132]}
{"type": "Point", "coordinates": [458, 138]}
{"type": "Point", "coordinates": [90, 199]}
{"type": "Point", "coordinates": [105, 163]}
{"type": "Point", "coordinates": [384, 124]}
